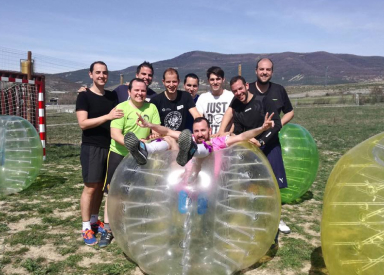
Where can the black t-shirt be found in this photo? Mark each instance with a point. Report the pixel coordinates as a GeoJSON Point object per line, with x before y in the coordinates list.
{"type": "Point", "coordinates": [97, 106]}
{"type": "Point", "coordinates": [173, 114]}
{"type": "Point", "coordinates": [251, 115]}
{"type": "Point", "coordinates": [122, 93]}
{"type": "Point", "coordinates": [276, 93]}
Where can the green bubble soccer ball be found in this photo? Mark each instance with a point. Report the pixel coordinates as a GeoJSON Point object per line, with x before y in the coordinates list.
{"type": "Point", "coordinates": [21, 154]}
{"type": "Point", "coordinates": [301, 161]}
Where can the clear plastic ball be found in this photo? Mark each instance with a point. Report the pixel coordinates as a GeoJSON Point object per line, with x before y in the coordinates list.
{"type": "Point", "coordinates": [352, 227]}
{"type": "Point", "coordinates": [21, 154]}
{"type": "Point", "coordinates": [213, 216]}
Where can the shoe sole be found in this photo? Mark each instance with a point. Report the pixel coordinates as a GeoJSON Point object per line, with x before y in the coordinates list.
{"type": "Point", "coordinates": [90, 244]}
{"type": "Point", "coordinates": [185, 141]}
{"type": "Point", "coordinates": [285, 232]}
{"type": "Point", "coordinates": [103, 245]}
{"type": "Point", "coordinates": [132, 143]}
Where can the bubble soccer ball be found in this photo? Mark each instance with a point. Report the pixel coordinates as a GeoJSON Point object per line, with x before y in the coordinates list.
{"type": "Point", "coordinates": [352, 227]}
{"type": "Point", "coordinates": [301, 161]}
{"type": "Point", "coordinates": [214, 216]}
{"type": "Point", "coordinates": [21, 154]}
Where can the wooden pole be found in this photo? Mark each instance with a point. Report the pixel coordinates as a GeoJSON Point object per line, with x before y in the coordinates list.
{"type": "Point", "coordinates": [121, 79]}
{"type": "Point", "coordinates": [29, 87]}
{"type": "Point", "coordinates": [239, 69]}
{"type": "Point", "coordinates": [29, 66]}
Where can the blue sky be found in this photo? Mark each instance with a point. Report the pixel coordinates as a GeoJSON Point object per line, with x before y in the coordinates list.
{"type": "Point", "coordinates": [125, 33]}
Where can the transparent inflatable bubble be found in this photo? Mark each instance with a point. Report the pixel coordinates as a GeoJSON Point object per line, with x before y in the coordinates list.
{"type": "Point", "coordinates": [352, 227]}
{"type": "Point", "coordinates": [21, 154]}
{"type": "Point", "coordinates": [214, 217]}
{"type": "Point", "coordinates": [301, 161]}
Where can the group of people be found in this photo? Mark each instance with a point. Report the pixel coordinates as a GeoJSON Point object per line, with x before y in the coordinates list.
{"type": "Point", "coordinates": [134, 120]}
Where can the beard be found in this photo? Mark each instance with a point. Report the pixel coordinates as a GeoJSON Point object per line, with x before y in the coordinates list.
{"type": "Point", "coordinates": [202, 139]}
{"type": "Point", "coordinates": [264, 82]}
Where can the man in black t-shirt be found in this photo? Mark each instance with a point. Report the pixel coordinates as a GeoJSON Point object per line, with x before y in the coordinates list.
{"type": "Point", "coordinates": [249, 113]}
{"type": "Point", "coordinates": [263, 87]}
{"type": "Point", "coordinates": [174, 105]}
{"type": "Point", "coordinates": [191, 86]}
{"type": "Point", "coordinates": [145, 72]}
{"type": "Point", "coordinates": [95, 108]}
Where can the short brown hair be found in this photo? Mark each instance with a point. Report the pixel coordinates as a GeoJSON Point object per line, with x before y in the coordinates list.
{"type": "Point", "coordinates": [200, 119]}
{"type": "Point", "coordinates": [171, 71]}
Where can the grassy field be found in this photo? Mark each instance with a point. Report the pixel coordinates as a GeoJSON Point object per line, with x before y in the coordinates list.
{"type": "Point", "coordinates": [333, 89]}
{"type": "Point", "coordinates": [39, 227]}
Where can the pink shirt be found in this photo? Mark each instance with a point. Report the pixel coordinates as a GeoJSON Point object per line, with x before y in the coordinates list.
{"type": "Point", "coordinates": [219, 143]}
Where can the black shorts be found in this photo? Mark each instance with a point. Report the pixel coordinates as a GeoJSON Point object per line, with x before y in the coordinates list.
{"type": "Point", "coordinates": [113, 161]}
{"type": "Point", "coordinates": [93, 163]}
{"type": "Point", "coordinates": [273, 153]}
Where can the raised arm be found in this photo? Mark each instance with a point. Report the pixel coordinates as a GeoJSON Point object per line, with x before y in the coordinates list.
{"type": "Point", "coordinates": [270, 134]}
{"type": "Point", "coordinates": [164, 131]}
{"type": "Point", "coordinates": [227, 118]}
{"type": "Point", "coordinates": [247, 135]}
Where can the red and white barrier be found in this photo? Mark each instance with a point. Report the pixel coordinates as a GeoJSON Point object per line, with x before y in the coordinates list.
{"type": "Point", "coordinates": [40, 110]}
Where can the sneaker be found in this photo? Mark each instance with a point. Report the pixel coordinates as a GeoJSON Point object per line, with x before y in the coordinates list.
{"type": "Point", "coordinates": [284, 228]}
{"type": "Point", "coordinates": [136, 148]}
{"type": "Point", "coordinates": [89, 237]}
{"type": "Point", "coordinates": [97, 227]}
{"type": "Point", "coordinates": [106, 238]}
{"type": "Point", "coordinates": [187, 147]}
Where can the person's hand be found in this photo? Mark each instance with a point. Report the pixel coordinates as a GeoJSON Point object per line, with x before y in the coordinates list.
{"type": "Point", "coordinates": [221, 134]}
{"type": "Point", "coordinates": [255, 141]}
{"type": "Point", "coordinates": [218, 134]}
{"type": "Point", "coordinates": [115, 113]}
{"type": "Point", "coordinates": [268, 122]}
{"type": "Point", "coordinates": [141, 122]}
{"type": "Point", "coordinates": [82, 89]}
{"type": "Point", "coordinates": [154, 136]}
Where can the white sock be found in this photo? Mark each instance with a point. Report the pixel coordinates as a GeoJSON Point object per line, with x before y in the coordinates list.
{"type": "Point", "coordinates": [202, 151]}
{"type": "Point", "coordinates": [94, 218]}
{"type": "Point", "coordinates": [157, 146]}
{"type": "Point", "coordinates": [86, 225]}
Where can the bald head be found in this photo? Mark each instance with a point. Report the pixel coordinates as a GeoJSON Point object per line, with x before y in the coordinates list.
{"type": "Point", "coordinates": [264, 71]}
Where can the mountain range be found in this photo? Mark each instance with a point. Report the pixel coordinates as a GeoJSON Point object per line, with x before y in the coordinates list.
{"type": "Point", "coordinates": [316, 68]}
